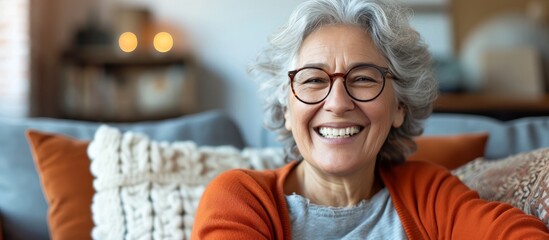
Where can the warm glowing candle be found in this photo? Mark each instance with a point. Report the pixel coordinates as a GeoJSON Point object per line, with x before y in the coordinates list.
{"type": "Point", "coordinates": [163, 42]}
{"type": "Point", "coordinates": [127, 42]}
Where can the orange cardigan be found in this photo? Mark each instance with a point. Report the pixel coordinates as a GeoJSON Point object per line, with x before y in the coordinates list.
{"type": "Point", "coordinates": [431, 204]}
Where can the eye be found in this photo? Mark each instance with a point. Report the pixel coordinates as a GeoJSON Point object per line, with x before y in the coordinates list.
{"type": "Point", "coordinates": [363, 80]}
{"type": "Point", "coordinates": [315, 81]}
{"type": "Point", "coordinates": [312, 77]}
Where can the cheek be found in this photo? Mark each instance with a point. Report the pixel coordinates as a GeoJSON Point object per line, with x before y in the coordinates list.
{"type": "Point", "coordinates": [298, 118]}
{"type": "Point", "coordinates": [384, 113]}
{"type": "Point", "coordinates": [388, 104]}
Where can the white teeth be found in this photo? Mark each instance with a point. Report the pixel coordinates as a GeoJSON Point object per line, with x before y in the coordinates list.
{"type": "Point", "coordinates": [338, 132]}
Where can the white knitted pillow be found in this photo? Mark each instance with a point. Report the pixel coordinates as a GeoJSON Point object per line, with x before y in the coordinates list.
{"type": "Point", "coordinates": [149, 190]}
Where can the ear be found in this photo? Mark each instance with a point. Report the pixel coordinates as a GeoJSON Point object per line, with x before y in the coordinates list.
{"type": "Point", "coordinates": [287, 123]}
{"type": "Point", "coordinates": [399, 115]}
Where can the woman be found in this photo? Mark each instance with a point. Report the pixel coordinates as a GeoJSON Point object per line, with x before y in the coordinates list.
{"type": "Point", "coordinates": [349, 84]}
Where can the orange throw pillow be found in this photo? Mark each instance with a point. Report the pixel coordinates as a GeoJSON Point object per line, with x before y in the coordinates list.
{"type": "Point", "coordinates": [63, 166]}
{"type": "Point", "coordinates": [450, 151]}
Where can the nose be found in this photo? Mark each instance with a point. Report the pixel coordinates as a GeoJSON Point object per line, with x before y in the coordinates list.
{"type": "Point", "coordinates": [338, 101]}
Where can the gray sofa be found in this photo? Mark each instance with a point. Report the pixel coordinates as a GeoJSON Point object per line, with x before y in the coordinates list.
{"type": "Point", "coordinates": [23, 210]}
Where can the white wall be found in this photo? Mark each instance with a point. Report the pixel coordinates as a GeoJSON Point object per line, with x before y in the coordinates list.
{"type": "Point", "coordinates": [435, 28]}
{"type": "Point", "coordinates": [14, 54]}
{"type": "Point", "coordinates": [434, 25]}
{"type": "Point", "coordinates": [226, 36]}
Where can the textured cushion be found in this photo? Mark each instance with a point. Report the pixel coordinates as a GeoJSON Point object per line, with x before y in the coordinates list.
{"type": "Point", "coordinates": [450, 151]}
{"type": "Point", "coordinates": [150, 189]}
{"type": "Point", "coordinates": [63, 167]}
{"type": "Point", "coordinates": [521, 180]}
{"type": "Point", "coordinates": [22, 205]}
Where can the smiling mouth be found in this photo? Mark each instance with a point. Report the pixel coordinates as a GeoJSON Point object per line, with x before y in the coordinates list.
{"type": "Point", "coordinates": [346, 132]}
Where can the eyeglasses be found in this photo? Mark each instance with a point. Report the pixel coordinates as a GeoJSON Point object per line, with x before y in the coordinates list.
{"type": "Point", "coordinates": [363, 83]}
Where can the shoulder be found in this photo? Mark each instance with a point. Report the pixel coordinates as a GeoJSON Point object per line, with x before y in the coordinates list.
{"type": "Point", "coordinates": [414, 170]}
{"type": "Point", "coordinates": [421, 178]}
{"type": "Point", "coordinates": [242, 181]}
{"type": "Point", "coordinates": [238, 181]}
{"type": "Point", "coordinates": [239, 192]}
{"type": "Point", "coordinates": [417, 164]}
{"type": "Point", "coordinates": [243, 204]}
{"type": "Point", "coordinates": [439, 205]}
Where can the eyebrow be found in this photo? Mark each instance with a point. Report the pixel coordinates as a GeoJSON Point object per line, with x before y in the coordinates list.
{"type": "Point", "coordinates": [316, 65]}
{"type": "Point", "coordinates": [325, 66]}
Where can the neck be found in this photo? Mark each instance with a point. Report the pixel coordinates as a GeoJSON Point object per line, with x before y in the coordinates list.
{"type": "Point", "coordinates": [329, 190]}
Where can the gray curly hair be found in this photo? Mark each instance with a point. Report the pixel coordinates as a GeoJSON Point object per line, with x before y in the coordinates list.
{"type": "Point", "coordinates": [388, 25]}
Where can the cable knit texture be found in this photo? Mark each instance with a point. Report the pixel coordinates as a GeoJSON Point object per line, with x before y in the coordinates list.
{"type": "Point", "coordinates": [147, 189]}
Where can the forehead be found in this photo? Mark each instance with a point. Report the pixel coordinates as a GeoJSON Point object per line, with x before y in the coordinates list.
{"type": "Point", "coordinates": [334, 45]}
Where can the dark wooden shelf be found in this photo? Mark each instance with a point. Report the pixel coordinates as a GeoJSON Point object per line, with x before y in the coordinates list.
{"type": "Point", "coordinates": [120, 118]}
{"type": "Point", "coordinates": [498, 106]}
{"type": "Point", "coordinates": [107, 85]}
{"type": "Point", "coordinates": [107, 57]}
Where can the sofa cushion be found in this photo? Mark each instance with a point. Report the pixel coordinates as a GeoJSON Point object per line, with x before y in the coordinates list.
{"type": "Point", "coordinates": [450, 151]}
{"type": "Point", "coordinates": [63, 168]}
{"type": "Point", "coordinates": [521, 180]}
{"type": "Point", "coordinates": [22, 204]}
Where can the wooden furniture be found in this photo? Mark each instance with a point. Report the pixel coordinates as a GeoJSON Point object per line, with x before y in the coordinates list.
{"type": "Point", "coordinates": [112, 86]}
{"type": "Point", "coordinates": [497, 106]}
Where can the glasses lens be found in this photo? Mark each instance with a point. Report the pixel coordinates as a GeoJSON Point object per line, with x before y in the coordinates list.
{"type": "Point", "coordinates": [311, 85]}
{"type": "Point", "coordinates": [364, 83]}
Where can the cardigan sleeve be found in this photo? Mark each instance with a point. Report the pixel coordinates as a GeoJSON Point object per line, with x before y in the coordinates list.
{"type": "Point", "coordinates": [469, 217]}
{"type": "Point", "coordinates": [442, 207]}
{"type": "Point", "coordinates": [236, 206]}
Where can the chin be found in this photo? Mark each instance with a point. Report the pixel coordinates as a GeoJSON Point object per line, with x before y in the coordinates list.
{"type": "Point", "coordinates": [340, 164]}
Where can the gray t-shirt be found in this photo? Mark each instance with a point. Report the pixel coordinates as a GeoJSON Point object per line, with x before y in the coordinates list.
{"type": "Point", "coordinates": [370, 219]}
